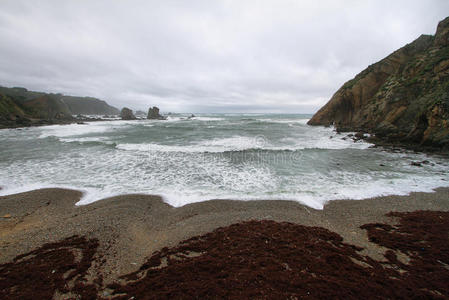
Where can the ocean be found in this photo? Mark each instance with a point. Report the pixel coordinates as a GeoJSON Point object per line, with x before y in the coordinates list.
{"type": "Point", "coordinates": [211, 156]}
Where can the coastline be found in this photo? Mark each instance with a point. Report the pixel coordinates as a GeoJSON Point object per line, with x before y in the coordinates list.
{"type": "Point", "coordinates": [132, 227]}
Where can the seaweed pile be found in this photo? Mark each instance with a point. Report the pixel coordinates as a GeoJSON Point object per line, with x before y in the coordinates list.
{"type": "Point", "coordinates": [255, 259]}
{"type": "Point", "coordinates": [60, 268]}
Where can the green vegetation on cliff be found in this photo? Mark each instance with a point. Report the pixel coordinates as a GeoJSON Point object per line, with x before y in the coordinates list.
{"type": "Point", "coordinates": [403, 98]}
{"type": "Point", "coordinates": [20, 107]}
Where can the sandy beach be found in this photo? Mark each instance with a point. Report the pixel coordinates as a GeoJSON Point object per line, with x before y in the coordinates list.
{"type": "Point", "coordinates": [130, 228]}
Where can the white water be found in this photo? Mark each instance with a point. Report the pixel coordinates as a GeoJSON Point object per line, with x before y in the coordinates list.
{"type": "Point", "coordinates": [210, 157]}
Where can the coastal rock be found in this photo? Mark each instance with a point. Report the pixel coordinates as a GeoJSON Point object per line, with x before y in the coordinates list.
{"type": "Point", "coordinates": [21, 107]}
{"type": "Point", "coordinates": [404, 98]}
{"type": "Point", "coordinates": [358, 136]}
{"type": "Point", "coordinates": [127, 114]}
{"type": "Point", "coordinates": [153, 114]}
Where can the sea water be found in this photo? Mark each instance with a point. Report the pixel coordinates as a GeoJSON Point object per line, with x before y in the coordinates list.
{"type": "Point", "coordinates": [211, 156]}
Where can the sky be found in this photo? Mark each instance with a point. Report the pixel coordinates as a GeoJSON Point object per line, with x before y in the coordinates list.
{"type": "Point", "coordinates": [279, 56]}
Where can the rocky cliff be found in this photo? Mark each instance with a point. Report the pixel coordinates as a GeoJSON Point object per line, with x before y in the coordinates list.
{"type": "Point", "coordinates": [89, 106]}
{"type": "Point", "coordinates": [20, 107]}
{"type": "Point", "coordinates": [404, 98]}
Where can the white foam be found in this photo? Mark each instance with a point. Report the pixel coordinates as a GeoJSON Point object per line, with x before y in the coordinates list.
{"type": "Point", "coordinates": [84, 139]}
{"type": "Point", "coordinates": [207, 119]}
{"type": "Point", "coordinates": [71, 130]}
{"type": "Point", "coordinates": [236, 143]}
{"type": "Point", "coordinates": [286, 121]}
{"type": "Point", "coordinates": [174, 119]}
{"type": "Point", "coordinates": [182, 175]}
{"type": "Point", "coordinates": [242, 144]}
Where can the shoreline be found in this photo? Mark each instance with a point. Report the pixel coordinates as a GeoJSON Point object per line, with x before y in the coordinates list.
{"type": "Point", "coordinates": [85, 193]}
{"type": "Point", "coordinates": [132, 227]}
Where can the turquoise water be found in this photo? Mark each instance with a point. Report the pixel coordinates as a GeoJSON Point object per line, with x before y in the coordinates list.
{"type": "Point", "coordinates": [211, 156]}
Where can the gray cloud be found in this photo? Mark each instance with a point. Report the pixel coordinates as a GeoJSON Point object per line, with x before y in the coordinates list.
{"type": "Point", "coordinates": [204, 56]}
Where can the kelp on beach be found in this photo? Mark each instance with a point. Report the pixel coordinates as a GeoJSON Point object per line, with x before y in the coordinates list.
{"type": "Point", "coordinates": [254, 259]}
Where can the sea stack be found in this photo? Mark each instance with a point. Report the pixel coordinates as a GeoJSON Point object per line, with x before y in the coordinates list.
{"type": "Point", "coordinates": [403, 99]}
{"type": "Point", "coordinates": [153, 114]}
{"type": "Point", "coordinates": [127, 114]}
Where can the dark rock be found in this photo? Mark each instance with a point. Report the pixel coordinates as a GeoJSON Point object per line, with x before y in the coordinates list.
{"type": "Point", "coordinates": [62, 116]}
{"type": "Point", "coordinates": [153, 114]}
{"type": "Point", "coordinates": [416, 164]}
{"type": "Point", "coordinates": [403, 98]}
{"type": "Point", "coordinates": [127, 114]}
{"type": "Point", "coordinates": [359, 135]}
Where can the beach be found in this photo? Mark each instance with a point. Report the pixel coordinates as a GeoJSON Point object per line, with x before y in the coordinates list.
{"type": "Point", "coordinates": [130, 228]}
{"type": "Point", "coordinates": [224, 150]}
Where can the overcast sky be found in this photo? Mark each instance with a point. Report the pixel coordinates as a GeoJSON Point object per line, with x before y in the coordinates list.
{"type": "Point", "coordinates": [204, 56]}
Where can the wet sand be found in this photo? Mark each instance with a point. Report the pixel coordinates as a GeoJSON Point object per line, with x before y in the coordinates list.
{"type": "Point", "coordinates": [130, 228]}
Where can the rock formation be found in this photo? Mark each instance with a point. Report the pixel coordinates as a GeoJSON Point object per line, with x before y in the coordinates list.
{"type": "Point", "coordinates": [127, 114]}
{"type": "Point", "coordinates": [404, 98]}
{"type": "Point", "coordinates": [153, 114]}
{"type": "Point", "coordinates": [21, 107]}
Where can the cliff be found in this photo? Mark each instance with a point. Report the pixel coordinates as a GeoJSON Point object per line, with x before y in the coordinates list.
{"type": "Point", "coordinates": [404, 98]}
{"type": "Point", "coordinates": [20, 107]}
{"type": "Point", "coordinates": [89, 106]}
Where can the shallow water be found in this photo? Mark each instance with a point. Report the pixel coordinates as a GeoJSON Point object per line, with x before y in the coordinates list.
{"type": "Point", "coordinates": [213, 156]}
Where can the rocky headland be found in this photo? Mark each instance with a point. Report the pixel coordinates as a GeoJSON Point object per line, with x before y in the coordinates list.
{"type": "Point", "coordinates": [20, 107]}
{"type": "Point", "coordinates": [402, 99]}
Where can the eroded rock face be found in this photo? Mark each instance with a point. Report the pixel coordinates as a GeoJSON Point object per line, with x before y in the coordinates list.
{"type": "Point", "coordinates": [402, 98]}
{"type": "Point", "coordinates": [127, 114]}
{"type": "Point", "coordinates": [153, 114]}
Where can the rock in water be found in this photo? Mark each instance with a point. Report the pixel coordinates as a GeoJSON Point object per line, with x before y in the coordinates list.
{"type": "Point", "coordinates": [403, 98]}
{"type": "Point", "coordinates": [153, 114]}
{"type": "Point", "coordinates": [127, 114]}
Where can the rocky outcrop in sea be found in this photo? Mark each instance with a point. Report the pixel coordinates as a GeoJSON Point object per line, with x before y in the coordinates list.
{"type": "Point", "coordinates": [127, 114]}
{"type": "Point", "coordinates": [153, 114]}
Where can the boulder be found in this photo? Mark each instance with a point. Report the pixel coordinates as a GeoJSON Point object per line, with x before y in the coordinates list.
{"type": "Point", "coordinates": [127, 114]}
{"type": "Point", "coordinates": [153, 114]}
